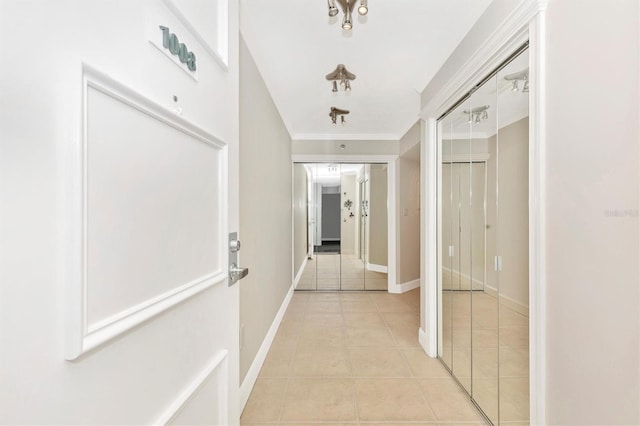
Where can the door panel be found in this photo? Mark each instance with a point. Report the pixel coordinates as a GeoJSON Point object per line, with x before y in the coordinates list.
{"type": "Point", "coordinates": [130, 190]}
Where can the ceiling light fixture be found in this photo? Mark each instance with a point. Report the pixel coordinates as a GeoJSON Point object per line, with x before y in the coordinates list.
{"type": "Point", "coordinates": [333, 10]}
{"type": "Point", "coordinates": [347, 7]}
{"type": "Point", "coordinates": [335, 112]}
{"type": "Point", "coordinates": [342, 75]}
{"type": "Point", "coordinates": [517, 77]}
{"type": "Point", "coordinates": [476, 114]}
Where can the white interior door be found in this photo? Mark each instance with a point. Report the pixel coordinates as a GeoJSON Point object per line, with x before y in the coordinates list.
{"type": "Point", "coordinates": [119, 188]}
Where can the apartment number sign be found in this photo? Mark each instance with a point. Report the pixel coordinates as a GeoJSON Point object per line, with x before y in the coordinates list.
{"type": "Point", "coordinates": [170, 42]}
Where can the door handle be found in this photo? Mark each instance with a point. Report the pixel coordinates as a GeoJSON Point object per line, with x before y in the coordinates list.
{"type": "Point", "coordinates": [235, 272]}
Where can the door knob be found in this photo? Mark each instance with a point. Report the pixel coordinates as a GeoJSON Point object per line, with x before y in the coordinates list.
{"type": "Point", "coordinates": [235, 272]}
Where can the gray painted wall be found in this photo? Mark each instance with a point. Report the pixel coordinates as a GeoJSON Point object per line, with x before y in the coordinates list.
{"type": "Point", "coordinates": [265, 215]}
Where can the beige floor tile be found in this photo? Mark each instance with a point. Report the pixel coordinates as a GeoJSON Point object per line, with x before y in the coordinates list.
{"type": "Point", "coordinates": [294, 317]}
{"type": "Point", "coordinates": [322, 337]}
{"type": "Point", "coordinates": [400, 424]}
{"type": "Point", "coordinates": [391, 400]}
{"type": "Point", "coordinates": [361, 336]}
{"type": "Point", "coordinates": [289, 330]}
{"type": "Point", "coordinates": [355, 296]}
{"type": "Point", "coordinates": [359, 306]}
{"type": "Point", "coordinates": [447, 401]}
{"type": "Point", "coordinates": [278, 362]}
{"type": "Point", "coordinates": [422, 365]}
{"type": "Point", "coordinates": [265, 402]}
{"type": "Point", "coordinates": [363, 319]}
{"type": "Point", "coordinates": [324, 306]}
{"type": "Point", "coordinates": [405, 319]}
{"type": "Point", "coordinates": [324, 297]}
{"type": "Point", "coordinates": [405, 336]}
{"type": "Point", "coordinates": [319, 400]}
{"type": "Point", "coordinates": [330, 320]}
{"type": "Point", "coordinates": [378, 362]}
{"type": "Point", "coordinates": [321, 362]}
{"type": "Point", "coordinates": [394, 305]}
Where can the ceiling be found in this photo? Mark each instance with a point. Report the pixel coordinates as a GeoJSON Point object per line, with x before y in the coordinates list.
{"type": "Point", "coordinates": [394, 51]}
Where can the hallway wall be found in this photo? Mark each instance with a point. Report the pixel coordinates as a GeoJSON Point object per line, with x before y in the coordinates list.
{"type": "Point", "coordinates": [300, 214]}
{"type": "Point", "coordinates": [592, 212]}
{"type": "Point", "coordinates": [408, 187]}
{"type": "Point", "coordinates": [592, 183]}
{"type": "Point", "coordinates": [265, 209]}
{"type": "Point", "coordinates": [378, 215]}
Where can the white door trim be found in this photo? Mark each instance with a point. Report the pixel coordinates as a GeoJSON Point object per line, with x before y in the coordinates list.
{"type": "Point", "coordinates": [525, 23]}
{"type": "Point", "coordinates": [390, 160]}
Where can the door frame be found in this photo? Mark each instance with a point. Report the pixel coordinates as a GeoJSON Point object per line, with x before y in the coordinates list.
{"type": "Point", "coordinates": [392, 221]}
{"type": "Point", "coordinates": [525, 23]}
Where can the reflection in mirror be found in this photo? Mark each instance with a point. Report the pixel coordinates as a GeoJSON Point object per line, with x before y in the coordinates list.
{"type": "Point", "coordinates": [511, 149]}
{"type": "Point", "coordinates": [483, 231]}
{"type": "Point", "coordinates": [484, 305]}
{"type": "Point", "coordinates": [340, 226]}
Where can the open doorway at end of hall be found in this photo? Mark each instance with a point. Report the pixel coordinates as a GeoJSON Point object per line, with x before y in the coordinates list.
{"type": "Point", "coordinates": [340, 226]}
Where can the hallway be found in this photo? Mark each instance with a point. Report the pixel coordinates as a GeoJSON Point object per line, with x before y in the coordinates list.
{"type": "Point", "coordinates": [354, 358]}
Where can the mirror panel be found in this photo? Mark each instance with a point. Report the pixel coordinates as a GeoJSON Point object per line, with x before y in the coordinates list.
{"type": "Point", "coordinates": [484, 303]}
{"type": "Point", "coordinates": [484, 227]}
{"type": "Point", "coordinates": [512, 153]}
{"type": "Point", "coordinates": [352, 265]}
{"type": "Point", "coordinates": [458, 166]}
{"type": "Point", "coordinates": [340, 226]}
{"type": "Point", "coordinates": [376, 223]}
{"type": "Point", "coordinates": [445, 293]}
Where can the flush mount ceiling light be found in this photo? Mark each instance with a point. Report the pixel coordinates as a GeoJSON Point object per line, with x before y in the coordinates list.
{"type": "Point", "coordinates": [475, 115]}
{"type": "Point", "coordinates": [517, 77]}
{"type": "Point", "coordinates": [335, 112]}
{"type": "Point", "coordinates": [347, 7]}
{"type": "Point", "coordinates": [342, 75]}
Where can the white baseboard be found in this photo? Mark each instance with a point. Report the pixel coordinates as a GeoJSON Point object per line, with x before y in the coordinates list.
{"type": "Point", "coordinates": [507, 301]}
{"type": "Point", "coordinates": [477, 285]}
{"type": "Point", "coordinates": [296, 280]}
{"type": "Point", "coordinates": [377, 268]}
{"type": "Point", "coordinates": [252, 375]}
{"type": "Point", "coordinates": [404, 287]}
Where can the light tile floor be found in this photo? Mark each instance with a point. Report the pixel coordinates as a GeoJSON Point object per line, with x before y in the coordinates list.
{"type": "Point", "coordinates": [354, 358]}
{"type": "Point", "coordinates": [328, 271]}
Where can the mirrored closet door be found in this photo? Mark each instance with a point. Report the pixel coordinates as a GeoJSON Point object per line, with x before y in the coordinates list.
{"type": "Point", "coordinates": [340, 226]}
{"type": "Point", "coordinates": [483, 236]}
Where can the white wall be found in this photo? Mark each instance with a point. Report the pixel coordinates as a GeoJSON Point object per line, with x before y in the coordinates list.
{"type": "Point", "coordinates": [408, 195]}
{"type": "Point", "coordinates": [300, 227]}
{"type": "Point", "coordinates": [592, 176]}
{"type": "Point", "coordinates": [265, 215]}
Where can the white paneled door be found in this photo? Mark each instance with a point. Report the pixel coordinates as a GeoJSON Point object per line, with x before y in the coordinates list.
{"type": "Point", "coordinates": [118, 186]}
